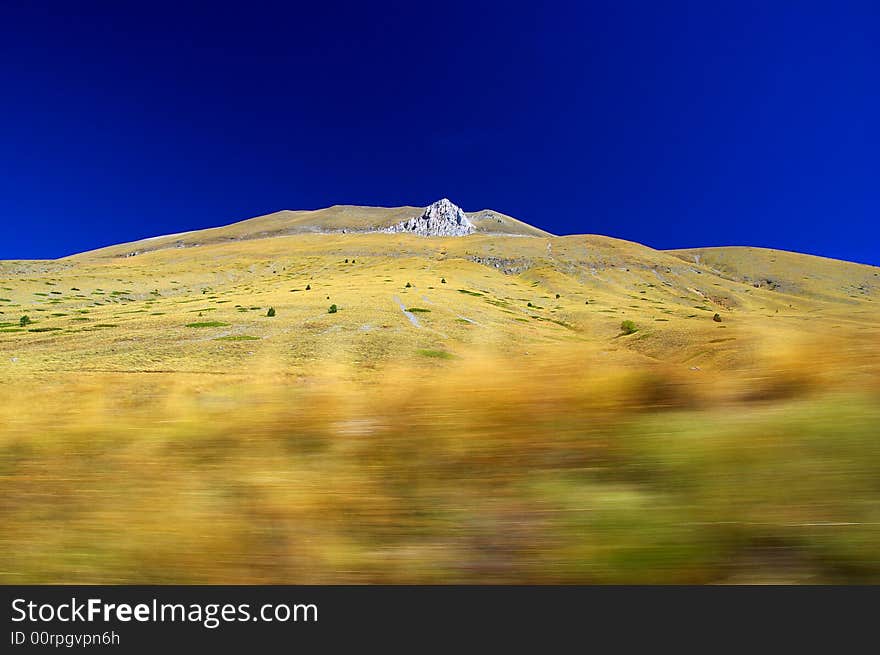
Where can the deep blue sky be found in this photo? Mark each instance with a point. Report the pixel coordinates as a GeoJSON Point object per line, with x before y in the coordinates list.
{"type": "Point", "coordinates": [674, 124]}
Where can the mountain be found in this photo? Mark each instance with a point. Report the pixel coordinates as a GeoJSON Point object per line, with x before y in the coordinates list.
{"type": "Point", "coordinates": [408, 280]}
{"type": "Point", "coordinates": [338, 219]}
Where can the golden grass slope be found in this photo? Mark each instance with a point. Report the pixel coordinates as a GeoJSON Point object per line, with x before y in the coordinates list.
{"type": "Point", "coordinates": [203, 308]}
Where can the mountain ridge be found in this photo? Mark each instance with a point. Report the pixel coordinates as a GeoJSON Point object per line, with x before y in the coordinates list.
{"type": "Point", "coordinates": [335, 219]}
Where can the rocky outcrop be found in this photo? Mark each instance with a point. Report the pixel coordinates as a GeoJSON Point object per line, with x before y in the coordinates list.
{"type": "Point", "coordinates": [506, 265]}
{"type": "Point", "coordinates": [441, 219]}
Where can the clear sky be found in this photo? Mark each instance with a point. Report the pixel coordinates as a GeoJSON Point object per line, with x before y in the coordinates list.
{"type": "Point", "coordinates": [675, 124]}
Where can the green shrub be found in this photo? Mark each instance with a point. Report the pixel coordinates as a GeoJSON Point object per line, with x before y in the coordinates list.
{"type": "Point", "coordinates": [717, 318]}
{"type": "Point", "coordinates": [628, 327]}
{"type": "Point", "coordinates": [333, 309]}
{"type": "Point", "coordinates": [308, 287]}
{"type": "Point", "coordinates": [443, 280]}
{"type": "Point", "coordinates": [25, 320]}
{"type": "Point", "coordinates": [408, 285]}
{"type": "Point", "coordinates": [271, 312]}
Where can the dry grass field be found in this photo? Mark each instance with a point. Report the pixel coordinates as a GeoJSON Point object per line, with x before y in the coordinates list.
{"type": "Point", "coordinates": [474, 410]}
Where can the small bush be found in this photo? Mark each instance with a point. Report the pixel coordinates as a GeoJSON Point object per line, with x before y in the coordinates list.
{"type": "Point", "coordinates": [25, 320]}
{"type": "Point", "coordinates": [408, 285]}
{"type": "Point", "coordinates": [437, 354]}
{"type": "Point", "coordinates": [628, 327]}
{"type": "Point", "coordinates": [557, 296]}
{"type": "Point", "coordinates": [443, 280]}
{"type": "Point", "coordinates": [717, 318]}
{"type": "Point", "coordinates": [333, 309]}
{"type": "Point", "coordinates": [271, 312]}
{"type": "Point", "coordinates": [308, 287]}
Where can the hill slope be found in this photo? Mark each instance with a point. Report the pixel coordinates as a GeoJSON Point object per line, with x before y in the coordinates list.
{"type": "Point", "coordinates": [331, 220]}
{"type": "Point", "coordinates": [198, 301]}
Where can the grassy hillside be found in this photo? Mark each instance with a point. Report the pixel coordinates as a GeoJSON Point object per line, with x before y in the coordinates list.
{"type": "Point", "coordinates": [103, 312]}
{"type": "Point", "coordinates": [473, 409]}
{"type": "Point", "coordinates": [336, 219]}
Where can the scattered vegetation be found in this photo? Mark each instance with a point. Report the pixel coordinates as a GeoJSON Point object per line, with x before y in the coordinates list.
{"type": "Point", "coordinates": [207, 324]}
{"type": "Point", "coordinates": [436, 354]}
{"type": "Point", "coordinates": [25, 321]}
{"type": "Point", "coordinates": [271, 312]}
{"type": "Point", "coordinates": [332, 310]}
{"type": "Point", "coordinates": [628, 327]}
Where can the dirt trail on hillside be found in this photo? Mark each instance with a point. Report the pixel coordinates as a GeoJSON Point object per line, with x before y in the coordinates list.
{"type": "Point", "coordinates": [412, 318]}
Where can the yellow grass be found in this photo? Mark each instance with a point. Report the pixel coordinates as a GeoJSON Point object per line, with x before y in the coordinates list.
{"type": "Point", "coordinates": [556, 469]}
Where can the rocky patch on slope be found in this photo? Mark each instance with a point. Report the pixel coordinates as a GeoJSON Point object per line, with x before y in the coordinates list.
{"type": "Point", "coordinates": [441, 219]}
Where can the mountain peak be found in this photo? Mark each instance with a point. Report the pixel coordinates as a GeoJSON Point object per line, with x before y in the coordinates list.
{"type": "Point", "coordinates": [442, 218]}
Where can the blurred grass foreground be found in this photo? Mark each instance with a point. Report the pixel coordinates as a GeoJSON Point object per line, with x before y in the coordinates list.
{"type": "Point", "coordinates": [554, 468]}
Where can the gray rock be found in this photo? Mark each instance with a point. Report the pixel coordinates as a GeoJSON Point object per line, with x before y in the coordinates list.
{"type": "Point", "coordinates": [441, 219]}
